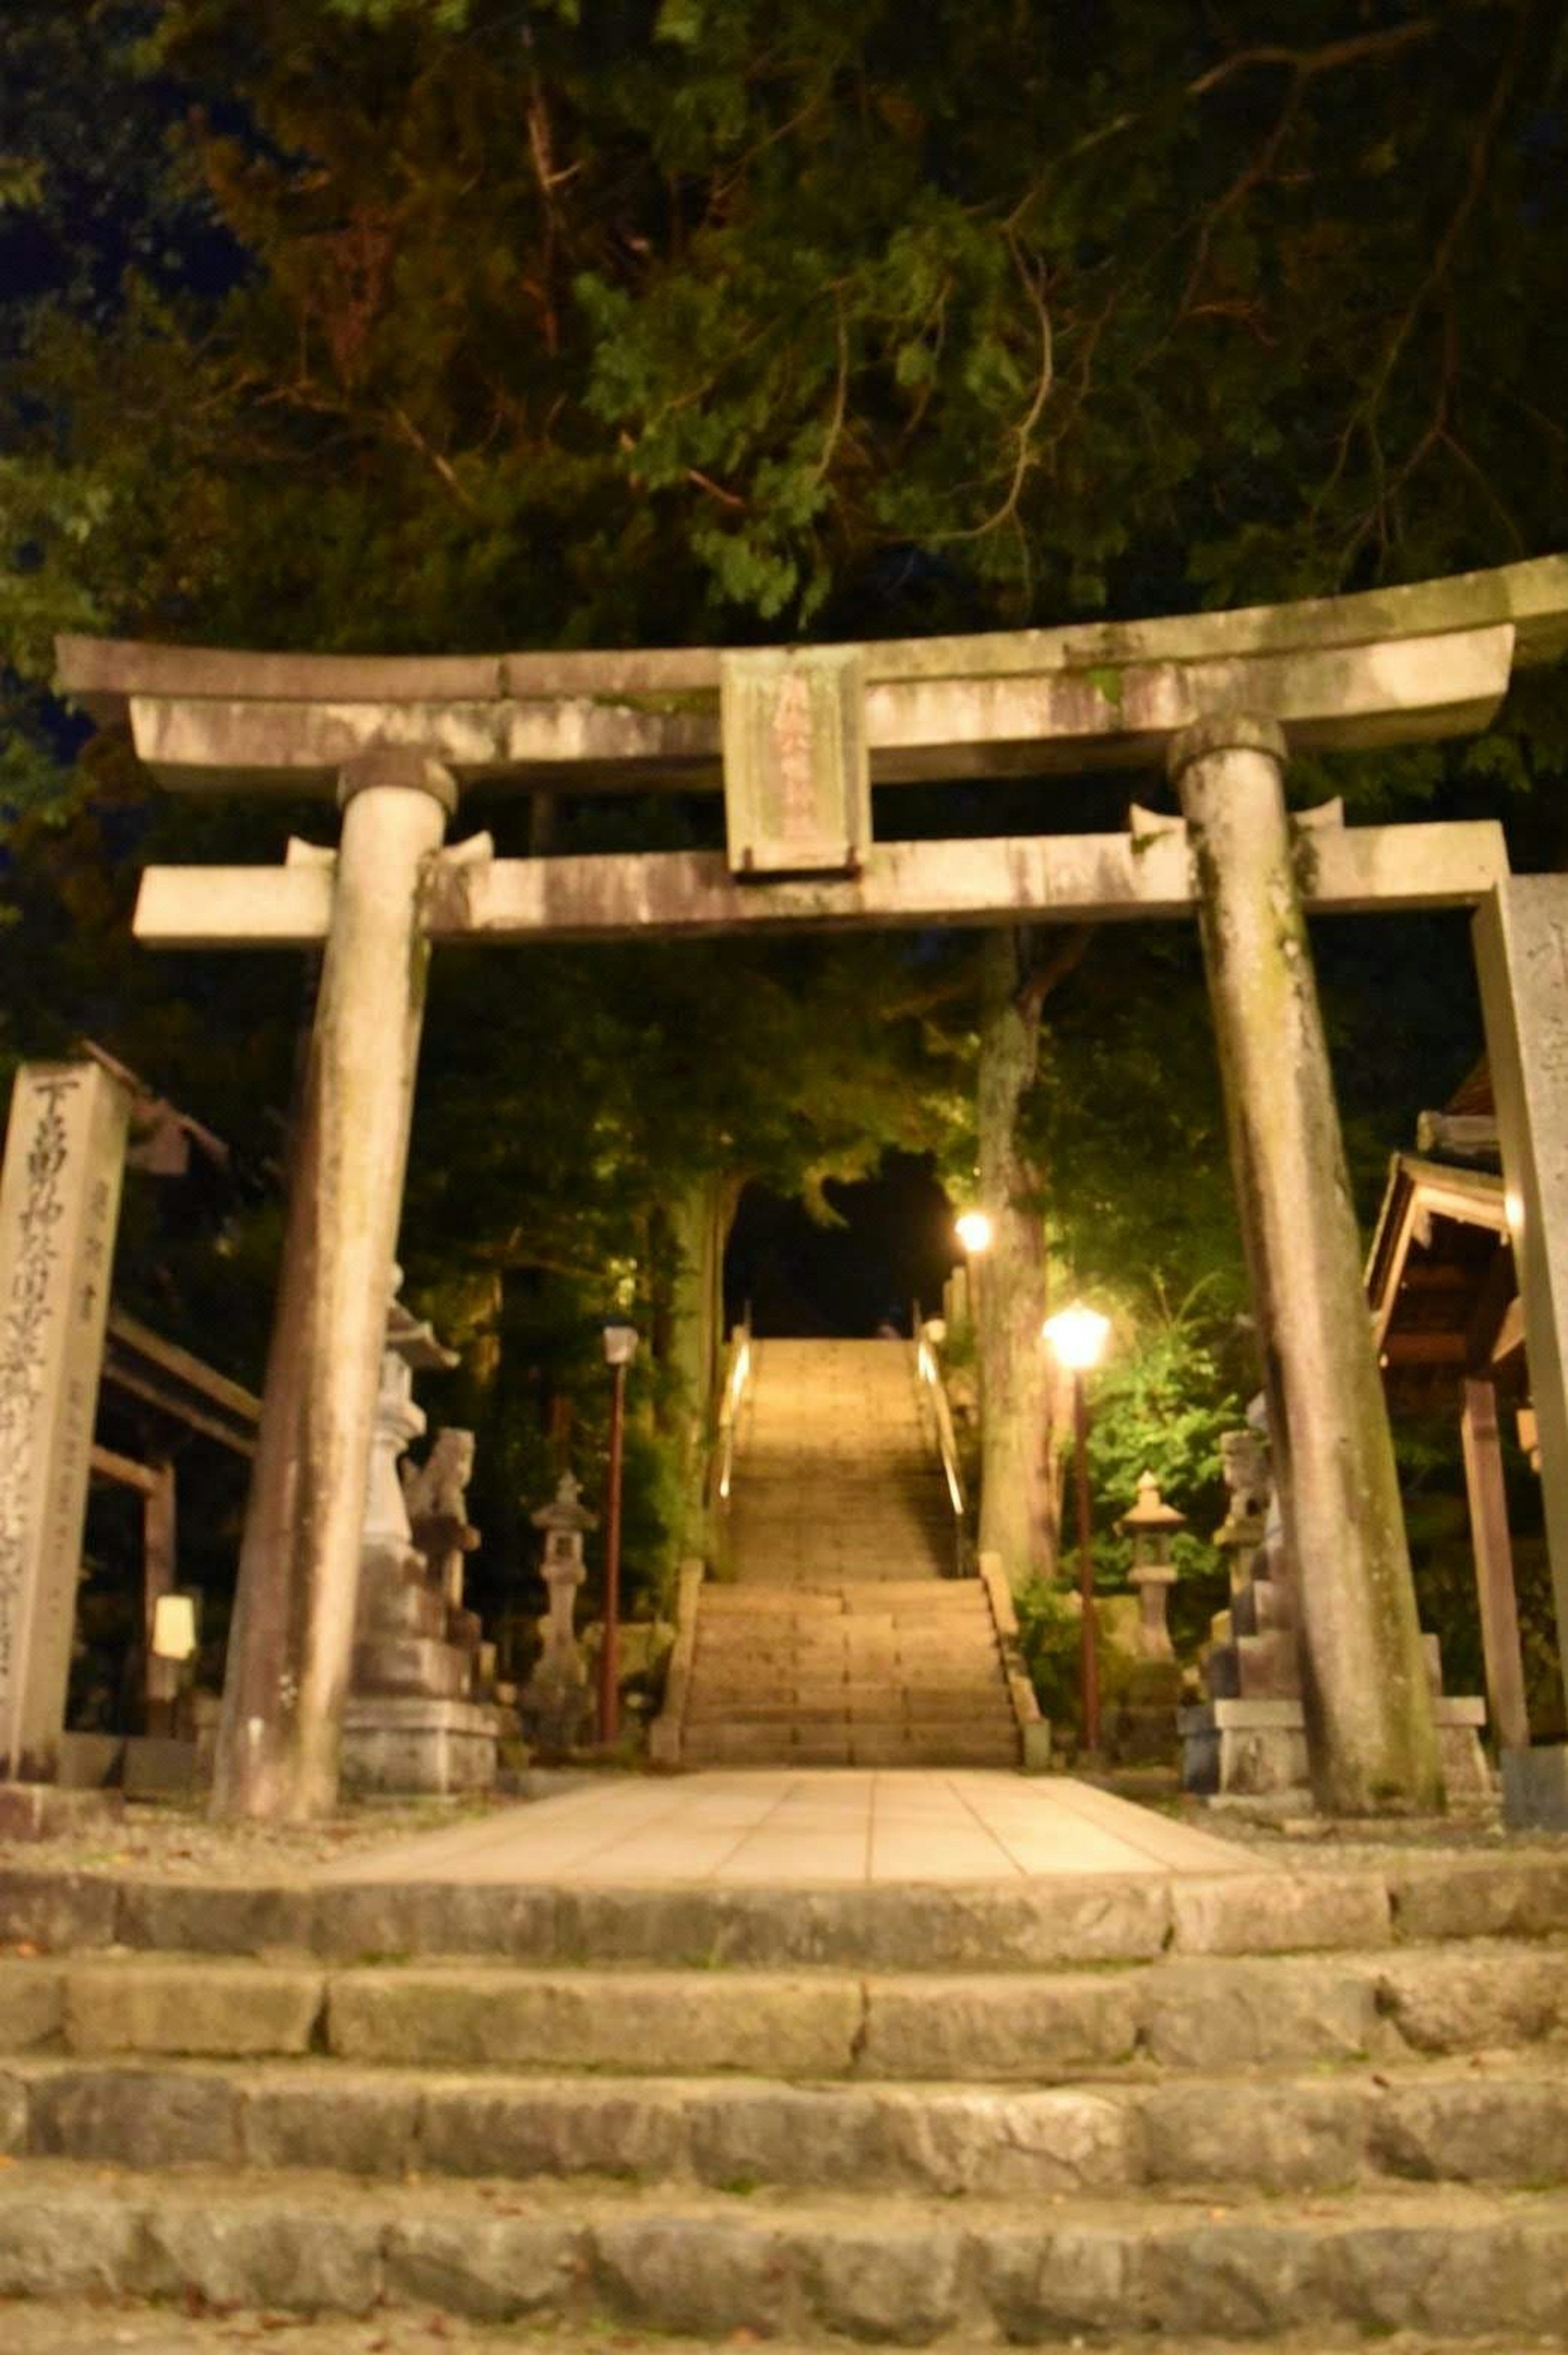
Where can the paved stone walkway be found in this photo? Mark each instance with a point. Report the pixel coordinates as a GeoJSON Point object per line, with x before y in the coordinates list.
{"type": "Point", "coordinates": [787, 1826]}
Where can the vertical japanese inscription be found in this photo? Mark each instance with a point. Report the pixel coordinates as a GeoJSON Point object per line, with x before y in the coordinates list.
{"type": "Point", "coordinates": [59, 1203]}
{"type": "Point", "coordinates": [797, 778]}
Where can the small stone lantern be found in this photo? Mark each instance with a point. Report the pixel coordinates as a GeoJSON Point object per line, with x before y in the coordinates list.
{"type": "Point", "coordinates": [555, 1703]}
{"type": "Point", "coordinates": [1151, 1524]}
{"type": "Point", "coordinates": [1244, 1465]}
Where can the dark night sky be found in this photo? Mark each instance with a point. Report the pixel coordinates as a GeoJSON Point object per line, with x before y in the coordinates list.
{"type": "Point", "coordinates": [802, 1278]}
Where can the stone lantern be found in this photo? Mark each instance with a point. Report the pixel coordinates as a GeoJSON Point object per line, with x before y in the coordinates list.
{"type": "Point", "coordinates": [1151, 1524]}
{"type": "Point", "coordinates": [556, 1703]}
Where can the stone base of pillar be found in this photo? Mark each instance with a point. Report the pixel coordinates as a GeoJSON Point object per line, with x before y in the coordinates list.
{"type": "Point", "coordinates": [1250, 1749]}
{"type": "Point", "coordinates": [1257, 1749]}
{"type": "Point", "coordinates": [417, 1747]}
{"type": "Point", "coordinates": [1141, 1713]}
{"type": "Point", "coordinates": [40, 1811]}
{"type": "Point", "coordinates": [1535, 1788]}
{"type": "Point", "coordinates": [1466, 1777]}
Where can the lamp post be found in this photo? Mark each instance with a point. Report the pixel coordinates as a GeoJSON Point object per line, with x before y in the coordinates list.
{"type": "Point", "coordinates": [1077, 1336]}
{"type": "Point", "coordinates": [620, 1348]}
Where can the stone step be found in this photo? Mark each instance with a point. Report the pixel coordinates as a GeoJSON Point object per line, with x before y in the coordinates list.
{"type": "Point", "coordinates": [770, 1637]}
{"type": "Point", "coordinates": [888, 1490]}
{"type": "Point", "coordinates": [781, 1622]}
{"type": "Point", "coordinates": [1112, 2136]}
{"type": "Point", "coordinates": [783, 1606]}
{"type": "Point", "coordinates": [900, 2269]}
{"type": "Point", "coordinates": [1461, 1920]}
{"type": "Point", "coordinates": [75, 2326]}
{"type": "Point", "coordinates": [844, 1598]}
{"type": "Point", "coordinates": [848, 1685]}
{"type": "Point", "coordinates": [719, 1704]}
{"type": "Point", "coordinates": [970, 1655]}
{"type": "Point", "coordinates": [876, 1610]}
{"type": "Point", "coordinates": [738, 1745]}
{"type": "Point", "coordinates": [774, 1671]}
{"type": "Point", "coordinates": [1200, 2014]}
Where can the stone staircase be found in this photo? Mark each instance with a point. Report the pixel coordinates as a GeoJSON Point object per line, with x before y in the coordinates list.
{"type": "Point", "coordinates": [839, 1641]}
{"type": "Point", "coordinates": [1238, 2107]}
{"type": "Point", "coordinates": [836, 1478]}
{"type": "Point", "coordinates": [887, 1673]}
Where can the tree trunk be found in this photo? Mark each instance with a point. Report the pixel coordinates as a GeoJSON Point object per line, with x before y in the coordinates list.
{"type": "Point", "coordinates": [697, 1228]}
{"type": "Point", "coordinates": [1017, 1383]}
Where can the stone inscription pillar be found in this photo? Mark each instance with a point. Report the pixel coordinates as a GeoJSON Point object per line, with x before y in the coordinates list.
{"type": "Point", "coordinates": [1521, 957]}
{"type": "Point", "coordinates": [291, 1648]}
{"type": "Point", "coordinates": [1371, 1740]}
{"type": "Point", "coordinates": [59, 1203]}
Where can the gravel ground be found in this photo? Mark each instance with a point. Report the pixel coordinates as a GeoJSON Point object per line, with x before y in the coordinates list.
{"type": "Point", "coordinates": [172, 1839]}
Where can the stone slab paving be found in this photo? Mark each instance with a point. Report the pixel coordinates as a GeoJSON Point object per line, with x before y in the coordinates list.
{"type": "Point", "coordinates": [787, 1826]}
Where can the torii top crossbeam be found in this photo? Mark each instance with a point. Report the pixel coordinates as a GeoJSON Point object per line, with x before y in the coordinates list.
{"type": "Point", "coordinates": [1429, 660]}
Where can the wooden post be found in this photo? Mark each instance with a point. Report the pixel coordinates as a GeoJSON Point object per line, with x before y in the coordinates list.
{"type": "Point", "coordinates": [159, 1576]}
{"type": "Point", "coordinates": [299, 1566]}
{"type": "Point", "coordinates": [1522, 962]}
{"type": "Point", "coordinates": [1494, 1563]}
{"type": "Point", "coordinates": [1089, 1633]}
{"type": "Point", "coordinates": [1371, 1742]}
{"type": "Point", "coordinates": [610, 1645]}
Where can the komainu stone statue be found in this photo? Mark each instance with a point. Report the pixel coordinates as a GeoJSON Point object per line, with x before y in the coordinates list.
{"type": "Point", "coordinates": [435, 1497]}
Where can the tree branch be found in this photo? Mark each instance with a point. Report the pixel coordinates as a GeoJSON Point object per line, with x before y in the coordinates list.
{"type": "Point", "coordinates": [1305, 64]}
{"type": "Point", "coordinates": [1066, 954]}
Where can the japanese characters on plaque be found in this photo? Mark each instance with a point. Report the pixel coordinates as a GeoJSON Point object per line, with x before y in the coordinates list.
{"type": "Point", "coordinates": [59, 1199]}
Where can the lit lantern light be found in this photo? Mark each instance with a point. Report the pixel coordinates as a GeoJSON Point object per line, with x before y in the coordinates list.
{"type": "Point", "coordinates": [1077, 1336]}
{"type": "Point", "coordinates": [973, 1230]}
{"type": "Point", "coordinates": [174, 1627]}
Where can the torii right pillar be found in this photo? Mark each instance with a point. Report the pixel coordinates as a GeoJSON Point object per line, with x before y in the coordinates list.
{"type": "Point", "coordinates": [1522, 958]}
{"type": "Point", "coordinates": [1372, 1744]}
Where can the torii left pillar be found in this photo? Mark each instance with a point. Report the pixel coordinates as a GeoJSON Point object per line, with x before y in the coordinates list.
{"type": "Point", "coordinates": [291, 1647]}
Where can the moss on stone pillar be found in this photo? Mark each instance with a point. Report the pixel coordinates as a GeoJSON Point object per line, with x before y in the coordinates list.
{"type": "Point", "coordinates": [1370, 1738]}
{"type": "Point", "coordinates": [299, 1566]}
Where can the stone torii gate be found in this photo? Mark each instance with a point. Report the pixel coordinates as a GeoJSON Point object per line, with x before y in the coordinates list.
{"type": "Point", "coordinates": [796, 738]}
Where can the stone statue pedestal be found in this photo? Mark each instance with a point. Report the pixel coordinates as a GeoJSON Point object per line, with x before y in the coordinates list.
{"type": "Point", "coordinates": [417, 1745]}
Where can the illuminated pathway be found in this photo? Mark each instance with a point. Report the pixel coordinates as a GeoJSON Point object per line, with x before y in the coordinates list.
{"type": "Point", "coordinates": [784, 1829]}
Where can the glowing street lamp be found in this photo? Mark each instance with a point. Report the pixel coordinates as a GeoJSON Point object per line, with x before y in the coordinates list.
{"type": "Point", "coordinates": [976, 1232]}
{"type": "Point", "coordinates": [1077, 1336]}
{"type": "Point", "coordinates": [973, 1229]}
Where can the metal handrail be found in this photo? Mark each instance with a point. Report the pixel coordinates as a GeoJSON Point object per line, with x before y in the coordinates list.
{"type": "Point", "coordinates": [737, 1374]}
{"type": "Point", "coordinates": [929, 1369]}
